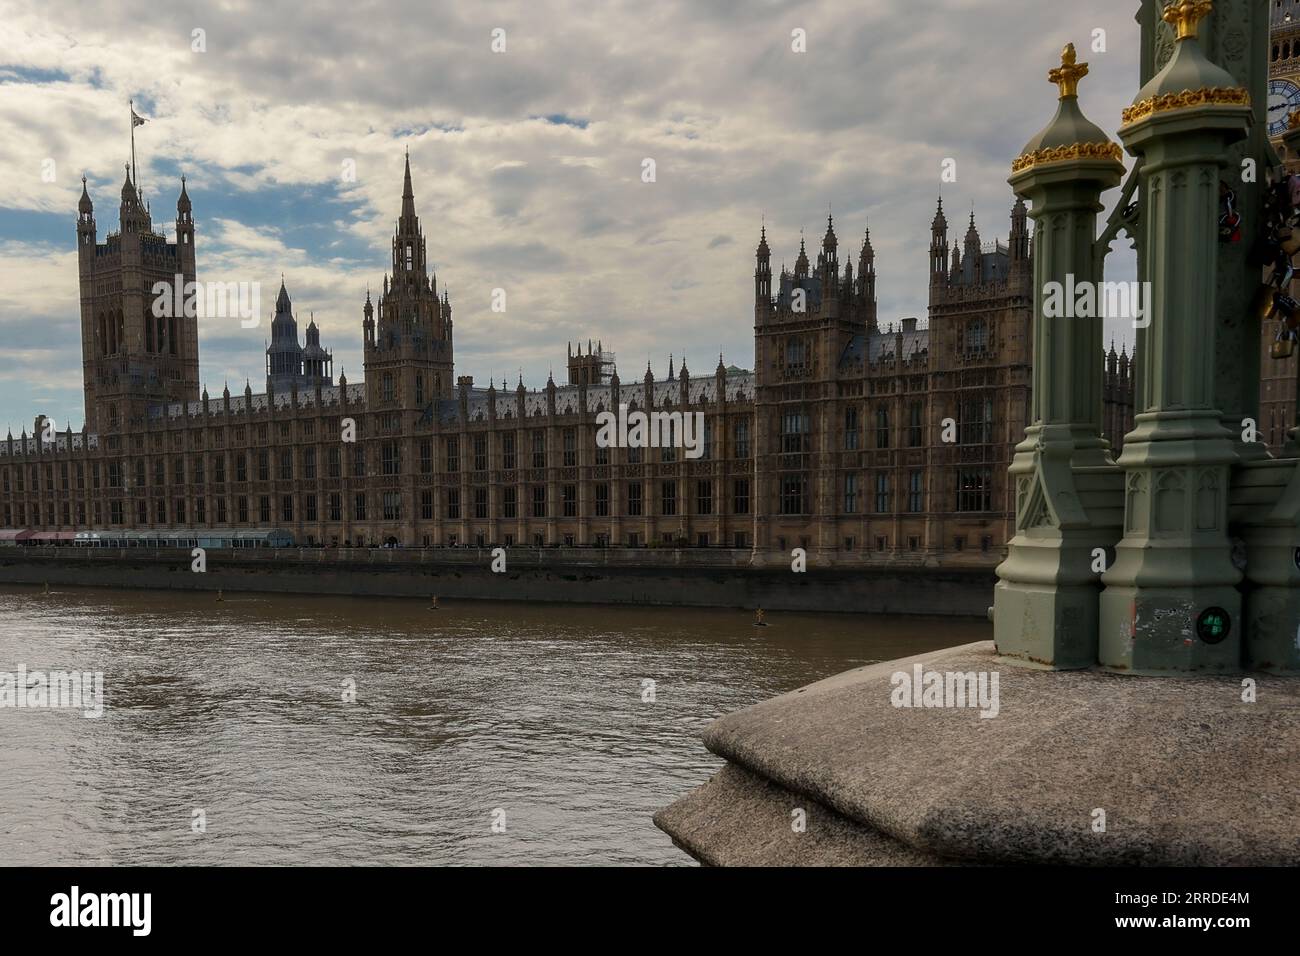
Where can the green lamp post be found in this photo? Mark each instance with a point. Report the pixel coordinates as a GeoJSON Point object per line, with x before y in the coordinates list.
{"type": "Point", "coordinates": [1068, 489]}
{"type": "Point", "coordinates": [1171, 602]}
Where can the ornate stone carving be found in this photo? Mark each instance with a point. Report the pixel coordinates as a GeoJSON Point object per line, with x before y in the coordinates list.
{"type": "Point", "coordinates": [1074, 151]}
{"type": "Point", "coordinates": [1187, 99]}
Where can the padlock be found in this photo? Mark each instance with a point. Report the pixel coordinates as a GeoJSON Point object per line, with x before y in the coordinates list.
{"type": "Point", "coordinates": [1283, 273]}
{"type": "Point", "coordinates": [1284, 342]}
{"type": "Point", "coordinates": [1287, 309]}
{"type": "Point", "coordinates": [1230, 220]}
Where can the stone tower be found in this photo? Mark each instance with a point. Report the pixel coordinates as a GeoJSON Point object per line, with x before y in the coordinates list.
{"type": "Point", "coordinates": [1283, 66]}
{"type": "Point", "coordinates": [593, 367]}
{"type": "Point", "coordinates": [284, 355]}
{"type": "Point", "coordinates": [803, 329]}
{"type": "Point", "coordinates": [317, 362]}
{"type": "Point", "coordinates": [139, 342]}
{"type": "Point", "coordinates": [408, 350]}
{"type": "Point", "coordinates": [1277, 395]}
{"type": "Point", "coordinates": [980, 310]}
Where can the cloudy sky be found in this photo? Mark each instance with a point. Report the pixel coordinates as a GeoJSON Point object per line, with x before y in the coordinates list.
{"type": "Point", "coordinates": [527, 163]}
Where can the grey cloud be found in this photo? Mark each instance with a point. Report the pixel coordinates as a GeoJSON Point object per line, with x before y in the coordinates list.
{"type": "Point", "coordinates": [512, 257]}
{"type": "Point", "coordinates": [740, 128]}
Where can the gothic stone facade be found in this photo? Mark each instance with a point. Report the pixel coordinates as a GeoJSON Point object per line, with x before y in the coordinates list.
{"type": "Point", "coordinates": [857, 443]}
{"type": "Point", "coordinates": [896, 440]}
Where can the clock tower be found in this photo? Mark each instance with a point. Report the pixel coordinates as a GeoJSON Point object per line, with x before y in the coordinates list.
{"type": "Point", "coordinates": [1277, 392]}
{"type": "Point", "coordinates": [1283, 65]}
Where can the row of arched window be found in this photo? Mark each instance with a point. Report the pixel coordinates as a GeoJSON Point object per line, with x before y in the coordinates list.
{"type": "Point", "coordinates": [388, 387]}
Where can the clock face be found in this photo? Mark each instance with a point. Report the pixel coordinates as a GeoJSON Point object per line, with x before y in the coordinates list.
{"type": "Point", "coordinates": [1283, 100]}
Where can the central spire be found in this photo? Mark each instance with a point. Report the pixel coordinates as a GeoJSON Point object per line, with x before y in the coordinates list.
{"type": "Point", "coordinates": [408, 195]}
{"type": "Point", "coordinates": [409, 267]}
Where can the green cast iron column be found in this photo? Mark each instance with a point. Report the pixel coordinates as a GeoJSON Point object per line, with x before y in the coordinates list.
{"type": "Point", "coordinates": [1171, 602]}
{"type": "Point", "coordinates": [1234, 36]}
{"type": "Point", "coordinates": [1068, 491]}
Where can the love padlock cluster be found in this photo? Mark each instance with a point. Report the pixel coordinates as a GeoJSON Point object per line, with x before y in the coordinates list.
{"type": "Point", "coordinates": [1278, 244]}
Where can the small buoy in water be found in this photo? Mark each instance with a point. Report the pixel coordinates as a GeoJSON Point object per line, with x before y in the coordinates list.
{"type": "Point", "coordinates": [758, 618]}
{"type": "Point", "coordinates": [219, 597]}
{"type": "Point", "coordinates": [433, 605]}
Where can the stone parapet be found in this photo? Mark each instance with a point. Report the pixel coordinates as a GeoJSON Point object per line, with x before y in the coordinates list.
{"type": "Point", "coordinates": [1185, 771]}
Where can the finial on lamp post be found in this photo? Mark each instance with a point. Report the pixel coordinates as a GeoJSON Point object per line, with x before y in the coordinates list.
{"type": "Point", "coordinates": [1186, 16]}
{"type": "Point", "coordinates": [1069, 73]}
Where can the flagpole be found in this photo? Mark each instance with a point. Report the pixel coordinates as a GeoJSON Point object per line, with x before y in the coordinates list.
{"type": "Point", "coordinates": [135, 178]}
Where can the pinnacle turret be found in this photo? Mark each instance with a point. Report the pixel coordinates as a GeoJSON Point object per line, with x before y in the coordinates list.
{"type": "Point", "coordinates": [801, 264]}
{"type": "Point", "coordinates": [940, 224]}
{"type": "Point", "coordinates": [829, 241]}
{"type": "Point", "coordinates": [939, 247]}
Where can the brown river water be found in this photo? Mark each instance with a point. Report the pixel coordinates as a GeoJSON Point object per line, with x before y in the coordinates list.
{"type": "Point", "coordinates": [479, 733]}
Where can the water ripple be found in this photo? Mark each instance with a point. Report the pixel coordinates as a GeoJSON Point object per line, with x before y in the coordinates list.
{"type": "Point", "coordinates": [238, 710]}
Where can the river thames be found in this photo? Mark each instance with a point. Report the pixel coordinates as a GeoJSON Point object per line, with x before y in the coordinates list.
{"type": "Point", "coordinates": [536, 718]}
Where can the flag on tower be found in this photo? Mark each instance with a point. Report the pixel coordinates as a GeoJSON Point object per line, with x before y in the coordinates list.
{"type": "Point", "coordinates": [136, 120]}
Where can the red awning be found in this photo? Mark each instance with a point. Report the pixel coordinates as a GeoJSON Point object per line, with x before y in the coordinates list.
{"type": "Point", "coordinates": [8, 534]}
{"type": "Point", "coordinates": [52, 536]}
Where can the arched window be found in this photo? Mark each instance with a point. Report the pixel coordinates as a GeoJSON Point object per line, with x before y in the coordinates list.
{"type": "Point", "coordinates": [387, 388]}
{"type": "Point", "coordinates": [796, 354]}
{"type": "Point", "coordinates": [976, 337]}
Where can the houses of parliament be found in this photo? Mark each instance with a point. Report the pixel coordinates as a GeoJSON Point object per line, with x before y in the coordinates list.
{"type": "Point", "coordinates": [860, 442]}
{"type": "Point", "coordinates": [854, 441]}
